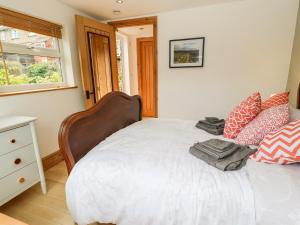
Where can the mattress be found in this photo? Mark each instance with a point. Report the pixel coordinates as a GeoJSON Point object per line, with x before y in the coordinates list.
{"type": "Point", "coordinates": [144, 175]}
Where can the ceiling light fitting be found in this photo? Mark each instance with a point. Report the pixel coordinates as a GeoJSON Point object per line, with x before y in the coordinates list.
{"type": "Point", "coordinates": [120, 1]}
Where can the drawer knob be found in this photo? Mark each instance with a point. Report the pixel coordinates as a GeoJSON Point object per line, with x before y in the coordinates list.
{"type": "Point", "coordinates": [18, 161]}
{"type": "Point", "coordinates": [13, 141]}
{"type": "Point", "coordinates": [21, 180]}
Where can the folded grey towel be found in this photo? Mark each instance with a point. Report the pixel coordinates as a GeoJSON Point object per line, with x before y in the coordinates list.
{"type": "Point", "coordinates": [214, 120]}
{"type": "Point", "coordinates": [214, 131]}
{"type": "Point", "coordinates": [237, 160]}
{"type": "Point", "coordinates": [216, 153]}
{"type": "Point", "coordinates": [218, 144]}
{"type": "Point", "coordinates": [212, 125]}
{"type": "Point", "coordinates": [234, 161]}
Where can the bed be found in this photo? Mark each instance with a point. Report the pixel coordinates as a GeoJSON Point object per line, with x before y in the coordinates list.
{"type": "Point", "coordinates": [126, 170]}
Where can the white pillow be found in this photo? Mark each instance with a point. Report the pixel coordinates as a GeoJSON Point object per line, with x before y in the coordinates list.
{"type": "Point", "coordinates": [294, 113]}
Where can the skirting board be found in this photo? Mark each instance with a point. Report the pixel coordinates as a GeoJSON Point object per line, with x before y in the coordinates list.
{"type": "Point", "coordinates": [52, 159]}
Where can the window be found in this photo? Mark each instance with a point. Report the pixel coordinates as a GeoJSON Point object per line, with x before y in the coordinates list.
{"type": "Point", "coordinates": [30, 60]}
{"type": "Point", "coordinates": [30, 55]}
{"type": "Point", "coordinates": [14, 34]}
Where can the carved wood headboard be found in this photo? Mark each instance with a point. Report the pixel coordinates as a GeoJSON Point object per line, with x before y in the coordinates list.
{"type": "Point", "coordinates": [82, 131]}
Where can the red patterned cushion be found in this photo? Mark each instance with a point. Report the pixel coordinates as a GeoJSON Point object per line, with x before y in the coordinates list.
{"type": "Point", "coordinates": [274, 100]}
{"type": "Point", "coordinates": [281, 147]}
{"type": "Point", "coordinates": [242, 115]}
{"type": "Point", "coordinates": [267, 121]}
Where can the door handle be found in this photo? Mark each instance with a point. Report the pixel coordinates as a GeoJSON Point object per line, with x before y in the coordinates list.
{"type": "Point", "coordinates": [88, 94]}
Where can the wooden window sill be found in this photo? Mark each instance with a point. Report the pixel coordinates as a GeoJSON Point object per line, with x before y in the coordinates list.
{"type": "Point", "coordinates": [36, 91]}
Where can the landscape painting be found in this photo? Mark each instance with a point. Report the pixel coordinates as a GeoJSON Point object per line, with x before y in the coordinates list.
{"type": "Point", "coordinates": [186, 52]}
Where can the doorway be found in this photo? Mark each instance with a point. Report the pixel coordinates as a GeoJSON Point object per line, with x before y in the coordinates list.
{"type": "Point", "coordinates": [137, 66]}
{"type": "Point", "coordinates": [98, 61]}
{"type": "Point", "coordinates": [131, 68]}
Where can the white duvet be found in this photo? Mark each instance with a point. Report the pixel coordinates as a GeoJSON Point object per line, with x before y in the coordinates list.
{"type": "Point", "coordinates": [277, 193]}
{"type": "Point", "coordinates": [144, 175]}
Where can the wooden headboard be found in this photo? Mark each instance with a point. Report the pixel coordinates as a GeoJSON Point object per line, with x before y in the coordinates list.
{"type": "Point", "coordinates": [82, 131]}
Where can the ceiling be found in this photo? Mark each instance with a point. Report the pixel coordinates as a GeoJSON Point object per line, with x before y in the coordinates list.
{"type": "Point", "coordinates": [103, 9]}
{"type": "Point", "coordinates": [141, 31]}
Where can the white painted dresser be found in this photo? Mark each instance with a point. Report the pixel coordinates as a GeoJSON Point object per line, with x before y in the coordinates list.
{"type": "Point", "coordinates": [20, 161]}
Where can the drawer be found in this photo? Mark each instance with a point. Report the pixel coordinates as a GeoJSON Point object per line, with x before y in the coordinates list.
{"type": "Point", "coordinates": [14, 139]}
{"type": "Point", "coordinates": [15, 160]}
{"type": "Point", "coordinates": [18, 181]}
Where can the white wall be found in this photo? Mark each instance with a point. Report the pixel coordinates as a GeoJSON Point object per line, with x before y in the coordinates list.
{"type": "Point", "coordinates": [124, 62]}
{"type": "Point", "coordinates": [248, 48]}
{"type": "Point", "coordinates": [294, 75]}
{"type": "Point", "coordinates": [50, 107]}
{"type": "Point", "coordinates": [134, 83]}
{"type": "Point", "coordinates": [132, 33]}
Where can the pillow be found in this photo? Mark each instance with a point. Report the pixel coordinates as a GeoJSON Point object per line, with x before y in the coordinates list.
{"type": "Point", "coordinates": [274, 100]}
{"type": "Point", "coordinates": [242, 115]}
{"type": "Point", "coordinates": [267, 121]}
{"type": "Point", "coordinates": [282, 146]}
{"type": "Point", "coordinates": [294, 113]}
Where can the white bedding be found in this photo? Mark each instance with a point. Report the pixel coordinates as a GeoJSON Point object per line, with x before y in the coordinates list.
{"type": "Point", "coordinates": [277, 193]}
{"type": "Point", "coordinates": [144, 175]}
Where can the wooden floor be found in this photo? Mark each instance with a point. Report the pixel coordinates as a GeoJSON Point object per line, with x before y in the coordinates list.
{"type": "Point", "coordinates": [34, 208]}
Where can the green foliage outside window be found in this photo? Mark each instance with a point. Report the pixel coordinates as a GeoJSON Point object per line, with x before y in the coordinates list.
{"type": "Point", "coordinates": [37, 73]}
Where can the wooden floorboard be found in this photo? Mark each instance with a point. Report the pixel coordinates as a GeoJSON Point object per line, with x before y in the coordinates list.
{"type": "Point", "coordinates": [34, 208]}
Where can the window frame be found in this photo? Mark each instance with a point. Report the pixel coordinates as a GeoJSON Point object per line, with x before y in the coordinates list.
{"type": "Point", "coordinates": [32, 24]}
{"type": "Point", "coordinates": [44, 52]}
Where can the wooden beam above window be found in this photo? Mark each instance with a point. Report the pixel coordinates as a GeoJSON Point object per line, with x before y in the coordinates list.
{"type": "Point", "coordinates": [25, 22]}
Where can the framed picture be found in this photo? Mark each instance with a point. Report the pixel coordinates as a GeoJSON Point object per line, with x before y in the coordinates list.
{"type": "Point", "coordinates": [186, 52]}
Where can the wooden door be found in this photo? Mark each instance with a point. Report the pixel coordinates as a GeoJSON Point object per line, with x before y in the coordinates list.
{"type": "Point", "coordinates": [98, 59]}
{"type": "Point", "coordinates": [146, 75]}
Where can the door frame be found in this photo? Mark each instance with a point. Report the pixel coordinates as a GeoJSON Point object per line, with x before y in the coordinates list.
{"type": "Point", "coordinates": [139, 22]}
{"type": "Point", "coordinates": [83, 27]}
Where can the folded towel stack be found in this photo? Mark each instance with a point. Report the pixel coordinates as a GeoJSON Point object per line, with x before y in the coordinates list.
{"type": "Point", "coordinates": [212, 125]}
{"type": "Point", "coordinates": [223, 155]}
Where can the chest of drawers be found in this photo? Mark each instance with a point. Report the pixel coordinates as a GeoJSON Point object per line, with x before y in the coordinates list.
{"type": "Point", "coordinates": [20, 161]}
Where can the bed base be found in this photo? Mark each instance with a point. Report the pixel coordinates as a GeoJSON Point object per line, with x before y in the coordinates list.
{"type": "Point", "coordinates": [82, 131]}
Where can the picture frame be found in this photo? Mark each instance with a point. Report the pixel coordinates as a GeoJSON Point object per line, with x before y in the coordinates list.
{"type": "Point", "coordinates": [186, 53]}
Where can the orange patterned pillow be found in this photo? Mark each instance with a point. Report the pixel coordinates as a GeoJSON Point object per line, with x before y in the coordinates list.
{"type": "Point", "coordinates": [275, 100]}
{"type": "Point", "coordinates": [281, 146]}
{"type": "Point", "coordinates": [243, 114]}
